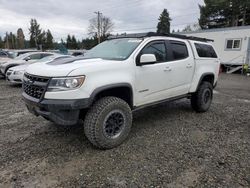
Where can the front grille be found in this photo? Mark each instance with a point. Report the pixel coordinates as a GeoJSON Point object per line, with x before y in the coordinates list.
{"type": "Point", "coordinates": [35, 86]}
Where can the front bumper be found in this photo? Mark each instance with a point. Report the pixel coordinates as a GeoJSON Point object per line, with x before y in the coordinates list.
{"type": "Point", "coordinates": [61, 112]}
{"type": "Point", "coordinates": [15, 79]}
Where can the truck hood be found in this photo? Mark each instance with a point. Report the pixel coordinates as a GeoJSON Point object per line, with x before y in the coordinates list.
{"type": "Point", "coordinates": [64, 67]}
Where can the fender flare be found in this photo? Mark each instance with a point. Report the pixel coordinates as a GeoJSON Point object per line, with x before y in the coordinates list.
{"type": "Point", "coordinates": [111, 86]}
{"type": "Point", "coordinates": [203, 76]}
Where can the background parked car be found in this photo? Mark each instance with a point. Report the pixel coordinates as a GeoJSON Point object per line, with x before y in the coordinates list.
{"type": "Point", "coordinates": [15, 74]}
{"type": "Point", "coordinates": [26, 58]}
{"type": "Point", "coordinates": [7, 55]}
{"type": "Point", "coordinates": [4, 56]}
{"type": "Point", "coordinates": [15, 53]}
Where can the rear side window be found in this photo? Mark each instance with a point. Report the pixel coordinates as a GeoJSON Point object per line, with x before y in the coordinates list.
{"type": "Point", "coordinates": [179, 50]}
{"type": "Point", "coordinates": [2, 54]}
{"type": "Point", "coordinates": [205, 50]}
{"type": "Point", "coordinates": [45, 55]}
{"type": "Point", "coordinates": [35, 56]}
{"type": "Point", "coordinates": [158, 49]}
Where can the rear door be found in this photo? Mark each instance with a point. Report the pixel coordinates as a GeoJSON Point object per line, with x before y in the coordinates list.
{"type": "Point", "coordinates": [181, 67]}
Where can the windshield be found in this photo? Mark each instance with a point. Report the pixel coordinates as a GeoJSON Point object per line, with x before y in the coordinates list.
{"type": "Point", "coordinates": [116, 49]}
{"type": "Point", "coordinates": [21, 57]}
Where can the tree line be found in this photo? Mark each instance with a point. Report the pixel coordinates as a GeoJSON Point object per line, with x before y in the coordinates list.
{"type": "Point", "coordinates": [43, 40]}
{"type": "Point", "coordinates": [213, 14]}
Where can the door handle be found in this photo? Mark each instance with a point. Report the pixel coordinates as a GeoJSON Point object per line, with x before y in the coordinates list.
{"type": "Point", "coordinates": [167, 69]}
{"type": "Point", "coordinates": [189, 66]}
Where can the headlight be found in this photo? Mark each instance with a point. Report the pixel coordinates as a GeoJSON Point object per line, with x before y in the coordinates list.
{"type": "Point", "coordinates": [67, 83]}
{"type": "Point", "coordinates": [18, 72]}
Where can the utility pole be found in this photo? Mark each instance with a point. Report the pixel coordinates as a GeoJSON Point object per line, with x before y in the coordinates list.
{"type": "Point", "coordinates": [98, 26]}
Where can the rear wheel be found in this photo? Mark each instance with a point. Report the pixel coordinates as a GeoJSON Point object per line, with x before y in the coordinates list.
{"type": "Point", "coordinates": [202, 99]}
{"type": "Point", "coordinates": [108, 123]}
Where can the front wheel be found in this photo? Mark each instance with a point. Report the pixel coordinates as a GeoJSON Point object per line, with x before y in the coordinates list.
{"type": "Point", "coordinates": [108, 123]}
{"type": "Point", "coordinates": [202, 99]}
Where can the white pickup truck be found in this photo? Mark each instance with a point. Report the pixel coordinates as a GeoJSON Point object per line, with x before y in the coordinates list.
{"type": "Point", "coordinates": [118, 76]}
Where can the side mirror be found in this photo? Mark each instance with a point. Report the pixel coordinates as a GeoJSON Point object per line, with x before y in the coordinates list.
{"type": "Point", "coordinates": [27, 59]}
{"type": "Point", "coordinates": [147, 59]}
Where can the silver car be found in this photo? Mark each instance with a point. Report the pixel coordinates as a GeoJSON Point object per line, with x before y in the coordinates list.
{"type": "Point", "coordinates": [15, 74]}
{"type": "Point", "coordinates": [26, 58]}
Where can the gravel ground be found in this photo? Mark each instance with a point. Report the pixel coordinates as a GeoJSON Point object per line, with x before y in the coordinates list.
{"type": "Point", "coordinates": [169, 146]}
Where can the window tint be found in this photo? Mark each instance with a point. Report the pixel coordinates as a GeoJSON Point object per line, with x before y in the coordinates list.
{"type": "Point", "coordinates": [45, 55]}
{"type": "Point", "coordinates": [35, 56]}
{"type": "Point", "coordinates": [158, 49]}
{"type": "Point", "coordinates": [179, 50]}
{"type": "Point", "coordinates": [205, 50]}
{"type": "Point", "coordinates": [2, 54]}
{"type": "Point", "coordinates": [233, 44]}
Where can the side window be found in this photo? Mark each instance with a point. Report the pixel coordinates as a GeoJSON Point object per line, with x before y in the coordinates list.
{"type": "Point", "coordinates": [45, 55]}
{"type": "Point", "coordinates": [179, 49]}
{"type": "Point", "coordinates": [205, 50]}
{"type": "Point", "coordinates": [2, 54]}
{"type": "Point", "coordinates": [233, 44]}
{"type": "Point", "coordinates": [158, 49]}
{"type": "Point", "coordinates": [35, 56]}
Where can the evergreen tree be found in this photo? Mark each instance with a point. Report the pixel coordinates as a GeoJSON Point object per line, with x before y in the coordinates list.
{"type": "Point", "coordinates": [69, 42]}
{"type": "Point", "coordinates": [224, 13]}
{"type": "Point", "coordinates": [42, 41]}
{"type": "Point", "coordinates": [20, 39]}
{"type": "Point", "coordinates": [164, 22]}
{"type": "Point", "coordinates": [1, 43]}
{"type": "Point", "coordinates": [10, 41]}
{"type": "Point", "coordinates": [74, 43]}
{"type": "Point", "coordinates": [35, 32]}
{"type": "Point", "coordinates": [89, 43]}
{"type": "Point", "coordinates": [79, 44]}
{"type": "Point", "coordinates": [49, 40]}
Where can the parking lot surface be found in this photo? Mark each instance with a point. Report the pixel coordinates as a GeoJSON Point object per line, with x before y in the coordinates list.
{"type": "Point", "coordinates": [169, 146]}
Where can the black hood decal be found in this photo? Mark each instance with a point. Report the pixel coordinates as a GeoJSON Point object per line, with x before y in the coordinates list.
{"type": "Point", "coordinates": [66, 60]}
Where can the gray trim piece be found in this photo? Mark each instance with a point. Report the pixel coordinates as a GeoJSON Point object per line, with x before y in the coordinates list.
{"type": "Point", "coordinates": [160, 102]}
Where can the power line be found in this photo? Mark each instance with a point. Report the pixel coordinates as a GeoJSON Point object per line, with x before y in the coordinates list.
{"type": "Point", "coordinates": [98, 26]}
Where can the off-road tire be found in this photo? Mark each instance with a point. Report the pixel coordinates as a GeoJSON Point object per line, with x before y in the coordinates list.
{"type": "Point", "coordinates": [199, 100]}
{"type": "Point", "coordinates": [96, 118]}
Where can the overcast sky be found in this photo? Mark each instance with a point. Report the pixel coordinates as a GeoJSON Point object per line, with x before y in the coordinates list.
{"type": "Point", "coordinates": [64, 17]}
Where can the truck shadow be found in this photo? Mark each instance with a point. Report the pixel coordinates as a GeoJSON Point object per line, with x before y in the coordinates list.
{"type": "Point", "coordinates": [148, 119]}
{"type": "Point", "coordinates": [163, 114]}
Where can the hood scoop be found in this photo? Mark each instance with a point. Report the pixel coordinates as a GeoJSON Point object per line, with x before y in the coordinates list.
{"type": "Point", "coordinates": [66, 61]}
